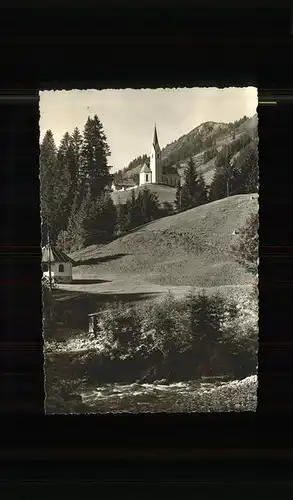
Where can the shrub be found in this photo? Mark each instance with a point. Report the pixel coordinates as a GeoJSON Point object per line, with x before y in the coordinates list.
{"type": "Point", "coordinates": [241, 335]}
{"type": "Point", "coordinates": [174, 340]}
{"type": "Point", "coordinates": [207, 316]}
{"type": "Point", "coordinates": [181, 339]}
{"type": "Point", "coordinates": [168, 209]}
{"type": "Point", "coordinates": [119, 328]}
{"type": "Point", "coordinates": [165, 324]}
{"type": "Point", "coordinates": [246, 249]}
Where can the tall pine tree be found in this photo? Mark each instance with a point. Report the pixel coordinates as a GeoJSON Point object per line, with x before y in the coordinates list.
{"type": "Point", "coordinates": [133, 212]}
{"type": "Point", "coordinates": [76, 143]}
{"type": "Point", "coordinates": [122, 219]}
{"type": "Point", "coordinates": [247, 169]}
{"type": "Point", "coordinates": [224, 179]}
{"type": "Point", "coordinates": [67, 163]}
{"type": "Point", "coordinates": [104, 220]}
{"type": "Point", "coordinates": [94, 171]}
{"type": "Point", "coordinates": [194, 191]}
{"type": "Point", "coordinates": [148, 205]}
{"type": "Point", "coordinates": [177, 202]}
{"type": "Point", "coordinates": [54, 188]}
{"type": "Point", "coordinates": [77, 227]}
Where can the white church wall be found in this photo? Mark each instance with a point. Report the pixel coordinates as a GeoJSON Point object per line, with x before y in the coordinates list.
{"type": "Point", "coordinates": [60, 272]}
{"type": "Point", "coordinates": [153, 165]}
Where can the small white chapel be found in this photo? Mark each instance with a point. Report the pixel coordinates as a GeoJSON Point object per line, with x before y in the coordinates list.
{"type": "Point", "coordinates": [56, 263]}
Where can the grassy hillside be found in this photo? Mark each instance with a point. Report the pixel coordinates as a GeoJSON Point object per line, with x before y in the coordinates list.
{"type": "Point", "coordinates": [191, 248]}
{"type": "Point", "coordinates": [165, 193]}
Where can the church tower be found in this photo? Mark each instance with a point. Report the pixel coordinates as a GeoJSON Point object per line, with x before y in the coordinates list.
{"type": "Point", "coordinates": [155, 160]}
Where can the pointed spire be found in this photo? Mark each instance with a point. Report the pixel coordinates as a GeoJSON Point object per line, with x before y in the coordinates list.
{"type": "Point", "coordinates": [155, 139]}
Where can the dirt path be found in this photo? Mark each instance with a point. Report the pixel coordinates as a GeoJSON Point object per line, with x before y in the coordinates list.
{"type": "Point", "coordinates": [124, 284]}
{"type": "Point", "coordinates": [114, 284]}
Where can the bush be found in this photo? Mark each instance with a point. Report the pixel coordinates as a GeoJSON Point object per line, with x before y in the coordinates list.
{"type": "Point", "coordinates": [246, 249]}
{"type": "Point", "coordinates": [118, 329]}
{"type": "Point", "coordinates": [207, 316]}
{"type": "Point", "coordinates": [168, 209]}
{"type": "Point", "coordinates": [174, 340]}
{"type": "Point", "coordinates": [165, 325]}
{"type": "Point", "coordinates": [241, 335]}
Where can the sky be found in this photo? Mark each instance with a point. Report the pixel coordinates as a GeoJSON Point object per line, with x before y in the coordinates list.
{"type": "Point", "coordinates": [129, 115]}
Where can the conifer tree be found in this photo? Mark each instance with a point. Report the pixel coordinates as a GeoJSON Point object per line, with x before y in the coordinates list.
{"type": "Point", "coordinates": [94, 172]}
{"type": "Point", "coordinates": [54, 188]}
{"type": "Point", "coordinates": [194, 191]}
{"type": "Point", "coordinates": [67, 163]}
{"type": "Point", "coordinates": [247, 169]}
{"type": "Point", "coordinates": [122, 220]}
{"type": "Point", "coordinates": [177, 202]}
{"type": "Point", "coordinates": [77, 227]}
{"type": "Point", "coordinates": [133, 213]}
{"type": "Point", "coordinates": [224, 178]}
{"type": "Point", "coordinates": [148, 205]}
{"type": "Point", "coordinates": [105, 219]}
{"type": "Point", "coordinates": [76, 143]}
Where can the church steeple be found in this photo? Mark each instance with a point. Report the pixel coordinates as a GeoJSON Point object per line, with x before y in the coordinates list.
{"type": "Point", "coordinates": [155, 139]}
{"type": "Point", "coordinates": [155, 159]}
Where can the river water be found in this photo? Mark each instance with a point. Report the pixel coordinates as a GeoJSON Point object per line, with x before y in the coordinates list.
{"type": "Point", "coordinates": [198, 396]}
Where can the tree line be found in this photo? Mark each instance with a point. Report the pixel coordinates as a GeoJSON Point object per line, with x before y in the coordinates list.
{"type": "Point", "coordinates": [74, 182]}
{"type": "Point", "coordinates": [231, 176]}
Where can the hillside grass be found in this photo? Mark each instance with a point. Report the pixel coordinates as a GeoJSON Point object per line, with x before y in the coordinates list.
{"type": "Point", "coordinates": [192, 248]}
{"type": "Point", "coordinates": [164, 193]}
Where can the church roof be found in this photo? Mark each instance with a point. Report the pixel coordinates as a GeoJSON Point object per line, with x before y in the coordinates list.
{"type": "Point", "coordinates": [155, 139]}
{"type": "Point", "coordinates": [145, 169]}
{"type": "Point", "coordinates": [52, 254]}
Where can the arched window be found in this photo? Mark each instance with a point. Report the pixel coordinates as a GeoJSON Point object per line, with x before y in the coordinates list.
{"type": "Point", "coordinates": [61, 268]}
{"type": "Point", "coordinates": [45, 267]}
{"type": "Point", "coordinates": [147, 178]}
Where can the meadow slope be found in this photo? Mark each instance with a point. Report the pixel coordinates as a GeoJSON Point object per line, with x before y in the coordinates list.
{"type": "Point", "coordinates": [192, 248]}
{"type": "Point", "coordinates": [164, 193]}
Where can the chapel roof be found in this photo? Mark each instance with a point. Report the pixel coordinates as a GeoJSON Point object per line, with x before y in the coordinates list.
{"type": "Point", "coordinates": [145, 169]}
{"type": "Point", "coordinates": [52, 254]}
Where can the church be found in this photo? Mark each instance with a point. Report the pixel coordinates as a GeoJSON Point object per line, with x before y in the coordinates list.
{"type": "Point", "coordinates": [155, 173]}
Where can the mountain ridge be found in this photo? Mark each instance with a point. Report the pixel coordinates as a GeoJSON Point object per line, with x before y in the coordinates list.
{"type": "Point", "coordinates": [196, 143]}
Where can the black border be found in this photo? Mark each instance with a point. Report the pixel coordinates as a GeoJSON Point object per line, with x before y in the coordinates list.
{"type": "Point", "coordinates": [135, 53]}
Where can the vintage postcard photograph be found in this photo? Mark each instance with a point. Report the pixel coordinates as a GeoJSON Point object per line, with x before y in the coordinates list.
{"type": "Point", "coordinates": [149, 222]}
